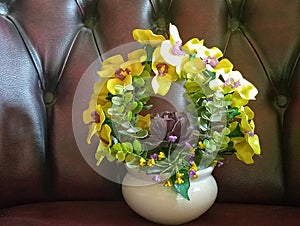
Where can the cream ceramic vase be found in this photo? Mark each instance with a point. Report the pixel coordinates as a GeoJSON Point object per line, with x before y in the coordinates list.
{"type": "Point", "coordinates": [163, 205]}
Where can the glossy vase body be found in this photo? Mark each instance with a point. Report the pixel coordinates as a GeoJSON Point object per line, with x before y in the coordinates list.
{"type": "Point", "coordinates": [163, 205]}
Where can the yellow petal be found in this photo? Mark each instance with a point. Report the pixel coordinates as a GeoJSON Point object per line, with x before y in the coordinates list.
{"type": "Point", "coordinates": [86, 115]}
{"type": "Point", "coordinates": [192, 45]}
{"type": "Point", "coordinates": [160, 85]}
{"type": "Point", "coordinates": [195, 65]}
{"type": "Point", "coordinates": [117, 59]}
{"type": "Point", "coordinates": [93, 128]}
{"type": "Point", "coordinates": [108, 71]}
{"type": "Point", "coordinates": [139, 54]}
{"type": "Point", "coordinates": [244, 152]}
{"type": "Point", "coordinates": [101, 114]}
{"type": "Point", "coordinates": [110, 65]}
{"type": "Point", "coordinates": [237, 101]}
{"type": "Point", "coordinates": [247, 90]}
{"type": "Point", "coordinates": [146, 37]}
{"type": "Point", "coordinates": [105, 137]}
{"type": "Point", "coordinates": [214, 52]}
{"type": "Point", "coordinates": [135, 67]}
{"type": "Point", "coordinates": [224, 65]}
{"type": "Point", "coordinates": [253, 141]}
{"type": "Point", "coordinates": [116, 81]}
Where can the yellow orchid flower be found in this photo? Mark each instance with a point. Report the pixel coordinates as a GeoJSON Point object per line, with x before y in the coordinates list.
{"type": "Point", "coordinates": [94, 115]}
{"type": "Point", "coordinates": [99, 96]}
{"type": "Point", "coordinates": [248, 126]}
{"type": "Point", "coordinates": [211, 56]}
{"type": "Point", "coordinates": [233, 82]}
{"type": "Point", "coordinates": [249, 145]}
{"type": "Point", "coordinates": [165, 73]}
{"type": "Point", "coordinates": [146, 37]}
{"type": "Point", "coordinates": [244, 152]}
{"type": "Point", "coordinates": [245, 90]}
{"type": "Point", "coordinates": [123, 76]}
{"type": "Point", "coordinates": [103, 151]}
{"type": "Point", "coordinates": [119, 72]}
{"type": "Point", "coordinates": [174, 53]}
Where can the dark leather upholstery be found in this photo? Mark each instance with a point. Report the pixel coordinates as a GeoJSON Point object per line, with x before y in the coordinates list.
{"type": "Point", "coordinates": [47, 45]}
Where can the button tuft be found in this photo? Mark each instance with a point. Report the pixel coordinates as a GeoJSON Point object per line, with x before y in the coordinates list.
{"type": "Point", "coordinates": [48, 97]}
{"type": "Point", "coordinates": [282, 100]}
{"type": "Point", "coordinates": [234, 24]}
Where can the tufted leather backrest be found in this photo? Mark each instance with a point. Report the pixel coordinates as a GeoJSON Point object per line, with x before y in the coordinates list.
{"type": "Point", "coordinates": [46, 46]}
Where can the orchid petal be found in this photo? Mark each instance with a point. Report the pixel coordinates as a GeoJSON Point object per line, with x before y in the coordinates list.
{"type": "Point", "coordinates": [174, 34]}
{"type": "Point", "coordinates": [161, 85]}
{"type": "Point", "coordinates": [146, 37]}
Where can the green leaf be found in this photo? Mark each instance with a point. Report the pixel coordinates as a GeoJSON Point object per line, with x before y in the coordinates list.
{"type": "Point", "coordinates": [137, 147]}
{"type": "Point", "coordinates": [134, 130]}
{"type": "Point", "coordinates": [129, 158]}
{"type": "Point", "coordinates": [141, 134]}
{"type": "Point", "coordinates": [129, 115]}
{"type": "Point", "coordinates": [117, 147]}
{"type": "Point", "coordinates": [146, 73]}
{"type": "Point", "coordinates": [119, 89]}
{"type": "Point", "coordinates": [129, 88]}
{"type": "Point", "coordinates": [128, 97]}
{"type": "Point", "coordinates": [182, 189]}
{"type": "Point", "coordinates": [127, 147]}
{"type": "Point", "coordinates": [117, 100]}
{"type": "Point", "coordinates": [236, 132]}
{"type": "Point", "coordinates": [120, 156]}
{"type": "Point", "coordinates": [234, 112]}
{"type": "Point", "coordinates": [133, 105]}
{"type": "Point", "coordinates": [138, 108]}
{"type": "Point", "coordinates": [138, 81]}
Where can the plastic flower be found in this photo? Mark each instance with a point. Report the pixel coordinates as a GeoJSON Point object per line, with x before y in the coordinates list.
{"type": "Point", "coordinates": [179, 179]}
{"type": "Point", "coordinates": [142, 161]}
{"type": "Point", "coordinates": [244, 91]}
{"type": "Point", "coordinates": [211, 59]}
{"type": "Point", "coordinates": [247, 146]}
{"type": "Point", "coordinates": [172, 139]}
{"type": "Point", "coordinates": [174, 52]}
{"type": "Point", "coordinates": [161, 156]}
{"type": "Point", "coordinates": [233, 82]}
{"type": "Point", "coordinates": [168, 183]}
{"type": "Point", "coordinates": [151, 162]}
{"type": "Point", "coordinates": [100, 94]}
{"type": "Point", "coordinates": [94, 116]}
{"type": "Point", "coordinates": [146, 37]}
{"type": "Point", "coordinates": [156, 178]}
{"type": "Point", "coordinates": [119, 72]}
{"type": "Point", "coordinates": [165, 74]}
{"type": "Point", "coordinates": [215, 122]}
{"type": "Point", "coordinates": [193, 171]}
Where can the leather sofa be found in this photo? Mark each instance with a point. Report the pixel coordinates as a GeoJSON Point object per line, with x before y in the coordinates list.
{"type": "Point", "coordinates": [47, 45]}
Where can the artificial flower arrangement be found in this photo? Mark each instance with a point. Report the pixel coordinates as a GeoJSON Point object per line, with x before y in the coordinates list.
{"type": "Point", "coordinates": [217, 120]}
